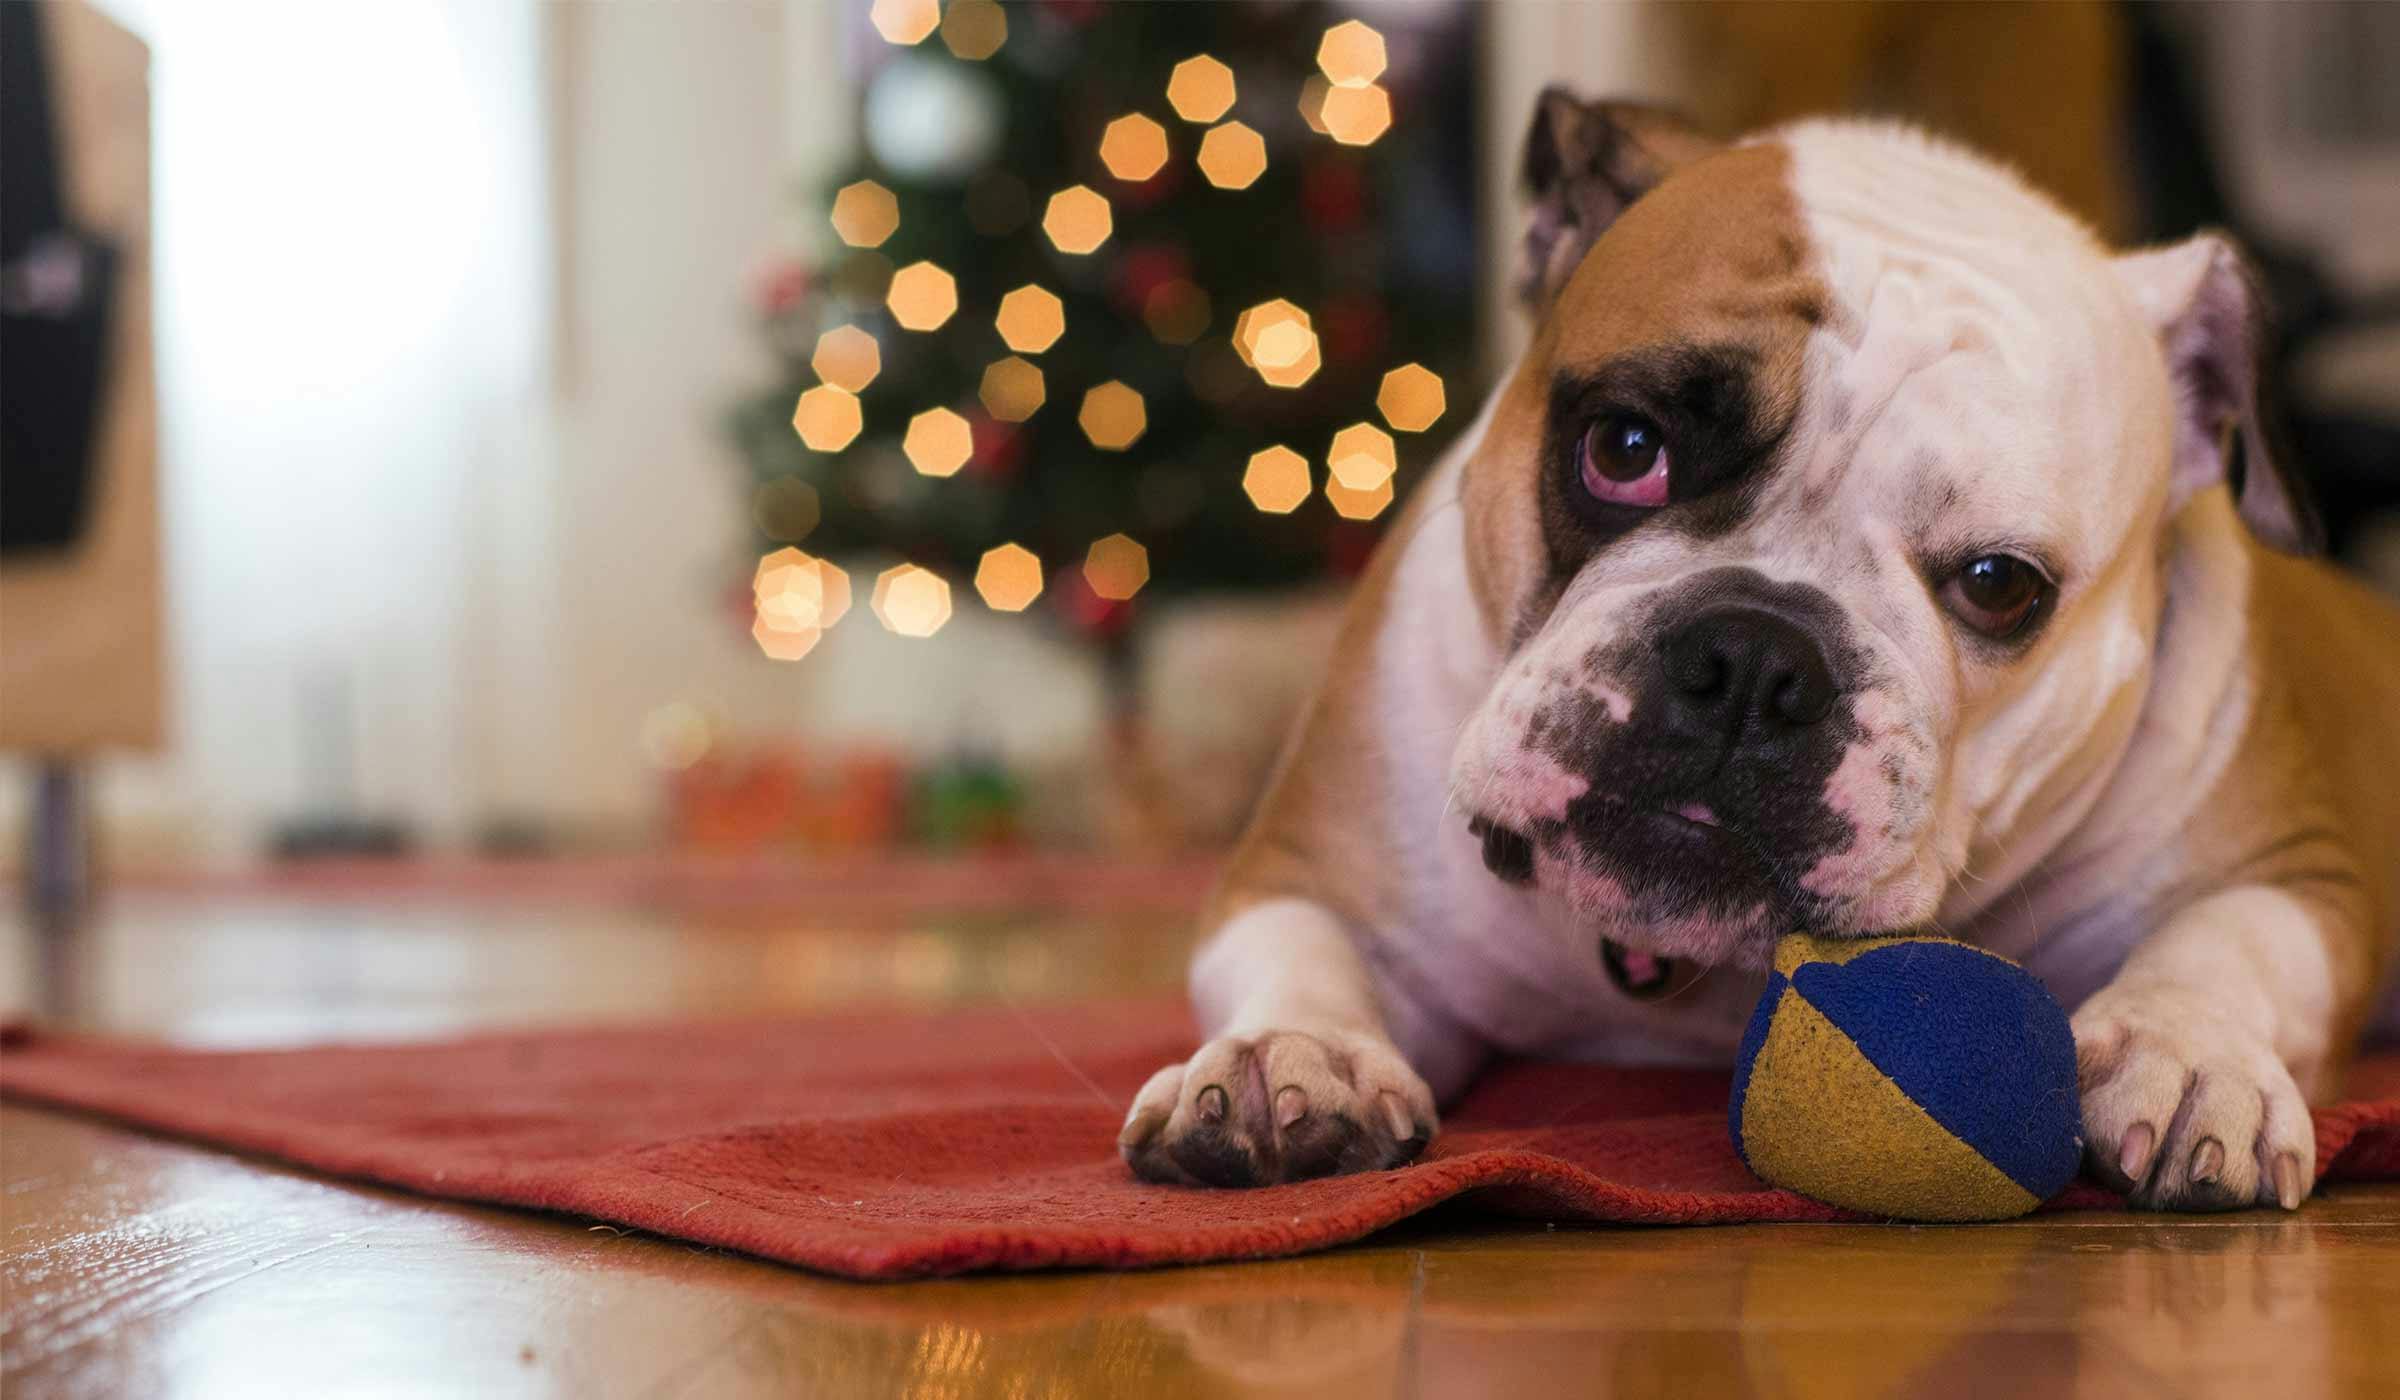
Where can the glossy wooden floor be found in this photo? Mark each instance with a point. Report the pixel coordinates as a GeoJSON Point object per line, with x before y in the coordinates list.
{"type": "Point", "coordinates": [136, 1266]}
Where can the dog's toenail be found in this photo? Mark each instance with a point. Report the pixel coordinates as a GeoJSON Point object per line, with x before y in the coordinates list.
{"type": "Point", "coordinates": [1395, 1113]}
{"type": "Point", "coordinates": [1291, 1105]}
{"type": "Point", "coordinates": [2208, 1159]}
{"type": "Point", "coordinates": [1211, 1104]}
{"type": "Point", "coordinates": [2287, 1181]}
{"type": "Point", "coordinates": [2133, 1158]}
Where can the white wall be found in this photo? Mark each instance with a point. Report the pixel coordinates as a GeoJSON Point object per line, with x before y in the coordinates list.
{"type": "Point", "coordinates": [451, 294]}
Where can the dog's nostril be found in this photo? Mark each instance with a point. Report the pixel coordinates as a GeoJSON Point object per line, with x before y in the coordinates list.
{"type": "Point", "coordinates": [1506, 853]}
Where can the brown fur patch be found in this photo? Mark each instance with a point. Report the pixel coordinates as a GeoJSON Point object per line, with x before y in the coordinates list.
{"type": "Point", "coordinates": [1716, 256]}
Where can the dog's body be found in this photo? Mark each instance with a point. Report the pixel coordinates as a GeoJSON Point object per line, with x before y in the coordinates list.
{"type": "Point", "coordinates": [1696, 638]}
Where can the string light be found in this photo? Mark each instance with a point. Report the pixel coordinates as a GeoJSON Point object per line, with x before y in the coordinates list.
{"type": "Point", "coordinates": [827, 418]}
{"type": "Point", "coordinates": [1358, 505]}
{"type": "Point", "coordinates": [922, 296]}
{"type": "Point", "coordinates": [1351, 54]}
{"type": "Point", "coordinates": [847, 358]}
{"type": "Point", "coordinates": [785, 509]}
{"type": "Point", "coordinates": [1009, 578]}
{"type": "Point", "coordinates": [1312, 102]}
{"type": "Point", "coordinates": [1011, 390]}
{"type": "Point", "coordinates": [938, 442]}
{"type": "Point", "coordinates": [865, 214]}
{"type": "Point", "coordinates": [784, 645]}
{"type": "Point", "coordinates": [905, 22]}
{"type": "Point", "coordinates": [1200, 89]}
{"type": "Point", "coordinates": [1112, 416]}
{"type": "Point", "coordinates": [1361, 457]}
{"type": "Point", "coordinates": [1116, 567]}
{"type": "Point", "coordinates": [911, 601]}
{"type": "Point", "coordinates": [1176, 311]}
{"type": "Point", "coordinates": [1355, 116]}
{"type": "Point", "coordinates": [1133, 147]}
{"type": "Point", "coordinates": [1232, 156]}
{"type": "Point", "coordinates": [1031, 320]}
{"type": "Point", "coordinates": [1077, 219]}
{"type": "Point", "coordinates": [1411, 398]}
{"type": "Point", "coordinates": [1277, 480]}
{"type": "Point", "coordinates": [974, 29]}
{"type": "Point", "coordinates": [1276, 339]}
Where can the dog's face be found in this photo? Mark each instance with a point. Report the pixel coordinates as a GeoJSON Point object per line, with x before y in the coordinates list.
{"type": "Point", "coordinates": [1820, 526]}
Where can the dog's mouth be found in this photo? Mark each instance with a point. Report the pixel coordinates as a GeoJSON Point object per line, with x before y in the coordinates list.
{"type": "Point", "coordinates": [1642, 976]}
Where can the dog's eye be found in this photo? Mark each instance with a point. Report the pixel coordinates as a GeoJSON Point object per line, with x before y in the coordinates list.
{"type": "Point", "coordinates": [1623, 461]}
{"type": "Point", "coordinates": [1996, 594]}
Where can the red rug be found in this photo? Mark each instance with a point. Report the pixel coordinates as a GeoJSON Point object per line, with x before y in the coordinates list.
{"type": "Point", "coordinates": [891, 1146]}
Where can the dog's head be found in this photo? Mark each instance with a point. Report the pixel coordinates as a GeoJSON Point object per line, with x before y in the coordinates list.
{"type": "Point", "coordinates": [1820, 523]}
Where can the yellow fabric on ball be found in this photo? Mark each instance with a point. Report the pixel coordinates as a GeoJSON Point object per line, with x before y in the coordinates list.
{"type": "Point", "coordinates": [1917, 1168]}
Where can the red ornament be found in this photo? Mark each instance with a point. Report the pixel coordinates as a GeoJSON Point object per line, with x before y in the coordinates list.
{"type": "Point", "coordinates": [781, 286]}
{"type": "Point", "coordinates": [1087, 612]}
{"type": "Point", "coordinates": [1143, 269]}
{"type": "Point", "coordinates": [1354, 328]}
{"type": "Point", "coordinates": [999, 448]}
{"type": "Point", "coordinates": [1333, 195]}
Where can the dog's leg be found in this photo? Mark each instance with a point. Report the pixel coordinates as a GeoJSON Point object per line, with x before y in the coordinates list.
{"type": "Point", "coordinates": [1301, 1077]}
{"type": "Point", "coordinates": [2196, 1061]}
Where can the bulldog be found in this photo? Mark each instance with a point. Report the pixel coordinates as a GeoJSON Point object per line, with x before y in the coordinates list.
{"type": "Point", "coordinates": [1858, 545]}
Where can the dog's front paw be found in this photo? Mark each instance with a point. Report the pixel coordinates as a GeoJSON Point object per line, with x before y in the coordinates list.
{"type": "Point", "coordinates": [1281, 1106]}
{"type": "Point", "coordinates": [2183, 1109]}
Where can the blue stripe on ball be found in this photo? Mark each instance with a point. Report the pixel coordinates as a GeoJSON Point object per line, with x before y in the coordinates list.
{"type": "Point", "coordinates": [1913, 1008]}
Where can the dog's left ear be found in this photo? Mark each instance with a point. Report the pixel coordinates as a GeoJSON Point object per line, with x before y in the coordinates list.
{"type": "Point", "coordinates": [1585, 162]}
{"type": "Point", "coordinates": [2202, 299]}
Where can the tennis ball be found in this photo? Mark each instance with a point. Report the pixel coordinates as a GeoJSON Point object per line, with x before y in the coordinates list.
{"type": "Point", "coordinates": [1915, 1078]}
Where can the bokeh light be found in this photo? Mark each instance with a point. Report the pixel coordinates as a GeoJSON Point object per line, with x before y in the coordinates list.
{"type": "Point", "coordinates": [1031, 319]}
{"type": "Point", "coordinates": [847, 358]}
{"type": "Point", "coordinates": [1116, 567]}
{"type": "Point", "coordinates": [922, 296]}
{"type": "Point", "coordinates": [827, 418]}
{"type": "Point", "coordinates": [1133, 147]}
{"type": "Point", "coordinates": [938, 442]}
{"type": "Point", "coordinates": [1361, 457]}
{"type": "Point", "coordinates": [1312, 102]}
{"type": "Point", "coordinates": [1177, 311]}
{"type": "Point", "coordinates": [1358, 505]}
{"type": "Point", "coordinates": [1009, 578]}
{"type": "Point", "coordinates": [1077, 219]}
{"type": "Point", "coordinates": [865, 214]}
{"type": "Point", "coordinates": [1200, 89]}
{"type": "Point", "coordinates": [1355, 116]}
{"type": "Point", "coordinates": [1351, 54]}
{"type": "Point", "coordinates": [1277, 480]}
{"type": "Point", "coordinates": [911, 601]}
{"type": "Point", "coordinates": [676, 735]}
{"type": "Point", "coordinates": [785, 644]}
{"type": "Point", "coordinates": [788, 591]}
{"type": "Point", "coordinates": [1011, 390]}
{"type": "Point", "coordinates": [1112, 416]}
{"type": "Point", "coordinates": [1232, 156]}
{"type": "Point", "coordinates": [904, 21]}
{"type": "Point", "coordinates": [1276, 339]}
{"type": "Point", "coordinates": [1411, 398]}
{"type": "Point", "coordinates": [974, 29]}
{"type": "Point", "coordinates": [785, 509]}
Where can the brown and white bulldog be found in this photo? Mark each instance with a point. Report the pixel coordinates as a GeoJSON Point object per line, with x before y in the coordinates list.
{"type": "Point", "coordinates": [1859, 545]}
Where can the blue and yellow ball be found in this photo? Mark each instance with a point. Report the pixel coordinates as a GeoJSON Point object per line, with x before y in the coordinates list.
{"type": "Point", "coordinates": [1914, 1078]}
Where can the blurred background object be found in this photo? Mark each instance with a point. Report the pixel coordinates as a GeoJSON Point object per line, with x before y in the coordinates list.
{"type": "Point", "coordinates": [753, 446]}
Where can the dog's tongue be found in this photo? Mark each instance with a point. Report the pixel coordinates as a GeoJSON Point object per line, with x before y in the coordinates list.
{"type": "Point", "coordinates": [1636, 973]}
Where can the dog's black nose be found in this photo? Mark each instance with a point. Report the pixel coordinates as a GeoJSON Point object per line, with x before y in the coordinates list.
{"type": "Point", "coordinates": [1746, 673]}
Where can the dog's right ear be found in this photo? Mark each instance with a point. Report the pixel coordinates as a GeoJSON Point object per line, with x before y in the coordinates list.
{"type": "Point", "coordinates": [1584, 163]}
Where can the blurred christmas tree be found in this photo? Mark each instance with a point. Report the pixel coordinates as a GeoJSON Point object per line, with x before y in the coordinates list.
{"type": "Point", "coordinates": [1121, 299]}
